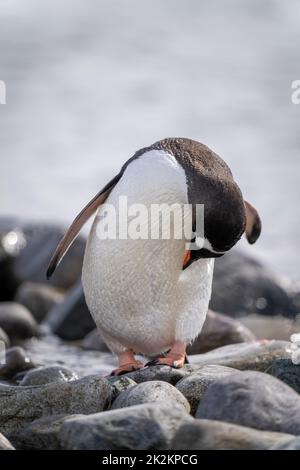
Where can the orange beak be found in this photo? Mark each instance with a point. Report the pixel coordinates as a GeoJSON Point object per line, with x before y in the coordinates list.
{"type": "Point", "coordinates": [186, 259]}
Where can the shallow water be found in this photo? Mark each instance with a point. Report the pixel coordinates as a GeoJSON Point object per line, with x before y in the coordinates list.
{"type": "Point", "coordinates": [50, 351]}
{"type": "Point", "coordinates": [90, 82]}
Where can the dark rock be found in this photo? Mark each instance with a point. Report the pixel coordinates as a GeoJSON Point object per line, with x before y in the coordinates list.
{"type": "Point", "coordinates": [12, 241]}
{"type": "Point", "coordinates": [25, 252]}
{"type": "Point", "coordinates": [45, 375]}
{"type": "Point", "coordinates": [252, 399]}
{"type": "Point", "coordinates": [287, 372]}
{"type": "Point", "coordinates": [22, 405]}
{"type": "Point", "coordinates": [94, 341]}
{"type": "Point", "coordinates": [219, 330]}
{"type": "Point", "coordinates": [204, 434]}
{"type": "Point", "coordinates": [38, 298]}
{"type": "Point", "coordinates": [41, 434]}
{"type": "Point", "coordinates": [17, 321]}
{"type": "Point", "coordinates": [195, 384]}
{"type": "Point", "coordinates": [71, 320]}
{"type": "Point", "coordinates": [5, 444]}
{"type": "Point", "coordinates": [16, 360]}
{"type": "Point", "coordinates": [164, 373]}
{"type": "Point", "coordinates": [257, 355]}
{"type": "Point", "coordinates": [41, 241]}
{"type": "Point", "coordinates": [148, 426]}
{"type": "Point", "coordinates": [242, 285]}
{"type": "Point", "coordinates": [8, 282]}
{"type": "Point", "coordinates": [148, 392]}
{"type": "Point", "coordinates": [119, 384]}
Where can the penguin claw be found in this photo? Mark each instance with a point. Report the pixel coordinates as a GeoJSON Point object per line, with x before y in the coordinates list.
{"type": "Point", "coordinates": [130, 367]}
{"type": "Point", "coordinates": [151, 363]}
{"type": "Point", "coordinates": [168, 361]}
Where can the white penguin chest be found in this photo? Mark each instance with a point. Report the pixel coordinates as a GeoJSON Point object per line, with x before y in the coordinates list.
{"type": "Point", "coordinates": [135, 288]}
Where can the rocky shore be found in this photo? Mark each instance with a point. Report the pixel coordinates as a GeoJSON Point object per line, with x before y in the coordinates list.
{"type": "Point", "coordinates": [240, 389]}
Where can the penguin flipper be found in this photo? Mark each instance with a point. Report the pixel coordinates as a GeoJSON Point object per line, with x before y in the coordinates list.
{"type": "Point", "coordinates": [78, 223]}
{"type": "Point", "coordinates": [253, 223]}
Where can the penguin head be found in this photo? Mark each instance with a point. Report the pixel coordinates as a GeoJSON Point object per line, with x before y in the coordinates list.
{"type": "Point", "coordinates": [227, 216]}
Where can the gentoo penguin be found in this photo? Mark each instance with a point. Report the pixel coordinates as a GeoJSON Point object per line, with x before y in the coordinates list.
{"type": "Point", "coordinates": [150, 296]}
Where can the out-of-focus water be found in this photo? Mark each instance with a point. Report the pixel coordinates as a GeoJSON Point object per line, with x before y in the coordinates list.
{"type": "Point", "coordinates": [88, 83]}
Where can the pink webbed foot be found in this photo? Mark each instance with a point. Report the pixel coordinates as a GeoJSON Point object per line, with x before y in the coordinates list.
{"type": "Point", "coordinates": [127, 363]}
{"type": "Point", "coordinates": [129, 367]}
{"type": "Point", "coordinates": [175, 358]}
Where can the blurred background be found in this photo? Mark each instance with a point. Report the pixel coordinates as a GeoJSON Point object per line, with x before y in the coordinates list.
{"type": "Point", "coordinates": [89, 83]}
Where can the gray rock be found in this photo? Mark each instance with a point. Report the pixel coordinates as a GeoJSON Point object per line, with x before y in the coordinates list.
{"type": "Point", "coordinates": [35, 244]}
{"type": "Point", "coordinates": [242, 285]}
{"type": "Point", "coordinates": [219, 330]}
{"type": "Point", "coordinates": [119, 384]}
{"type": "Point", "coordinates": [257, 355]}
{"type": "Point", "coordinates": [22, 405]}
{"type": "Point", "coordinates": [252, 399]}
{"type": "Point", "coordinates": [148, 392]}
{"type": "Point", "coordinates": [16, 360]}
{"type": "Point", "coordinates": [204, 434]}
{"type": "Point", "coordinates": [148, 426]}
{"type": "Point", "coordinates": [4, 338]}
{"type": "Point", "coordinates": [41, 434]}
{"type": "Point", "coordinates": [41, 241]}
{"type": "Point", "coordinates": [271, 327]}
{"type": "Point", "coordinates": [194, 385]}
{"type": "Point", "coordinates": [45, 375]}
{"type": "Point", "coordinates": [94, 341]}
{"type": "Point", "coordinates": [71, 320]}
{"type": "Point", "coordinates": [285, 370]}
{"type": "Point", "coordinates": [38, 298]}
{"type": "Point", "coordinates": [5, 444]}
{"type": "Point", "coordinates": [291, 444]}
{"type": "Point", "coordinates": [17, 321]}
{"type": "Point", "coordinates": [164, 373]}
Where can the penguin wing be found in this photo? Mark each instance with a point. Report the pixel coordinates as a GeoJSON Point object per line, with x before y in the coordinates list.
{"type": "Point", "coordinates": [253, 223]}
{"type": "Point", "coordinates": [78, 223]}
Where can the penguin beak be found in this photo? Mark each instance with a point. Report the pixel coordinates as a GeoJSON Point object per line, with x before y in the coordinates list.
{"type": "Point", "coordinates": [203, 253]}
{"type": "Point", "coordinates": [186, 259]}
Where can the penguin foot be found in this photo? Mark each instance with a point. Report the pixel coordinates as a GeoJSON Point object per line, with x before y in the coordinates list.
{"type": "Point", "coordinates": [175, 357]}
{"type": "Point", "coordinates": [129, 367]}
{"type": "Point", "coordinates": [173, 360]}
{"type": "Point", "coordinates": [127, 363]}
